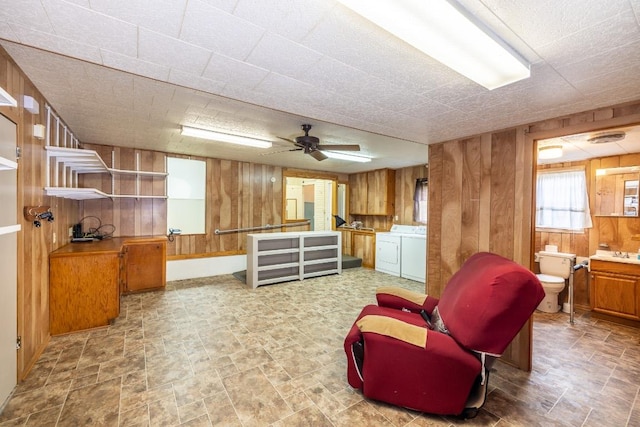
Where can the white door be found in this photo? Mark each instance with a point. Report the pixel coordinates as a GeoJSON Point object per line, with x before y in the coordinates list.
{"type": "Point", "coordinates": [8, 258]}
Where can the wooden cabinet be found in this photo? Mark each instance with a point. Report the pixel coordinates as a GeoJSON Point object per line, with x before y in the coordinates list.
{"type": "Point", "coordinates": [86, 279]}
{"type": "Point", "coordinates": [372, 193]}
{"type": "Point", "coordinates": [363, 246]}
{"type": "Point", "coordinates": [83, 290]}
{"type": "Point", "coordinates": [143, 265]}
{"type": "Point", "coordinates": [615, 289]}
{"type": "Point", "coordinates": [281, 257]}
{"type": "Point", "coordinates": [358, 193]}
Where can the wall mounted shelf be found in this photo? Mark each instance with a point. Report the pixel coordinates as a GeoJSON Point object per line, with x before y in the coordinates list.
{"type": "Point", "coordinates": [6, 164]}
{"type": "Point", "coordinates": [69, 163]}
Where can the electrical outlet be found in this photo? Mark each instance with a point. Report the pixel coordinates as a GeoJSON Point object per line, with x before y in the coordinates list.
{"type": "Point", "coordinates": [397, 217]}
{"type": "Point", "coordinates": [54, 237]}
{"type": "Point", "coordinates": [70, 231]}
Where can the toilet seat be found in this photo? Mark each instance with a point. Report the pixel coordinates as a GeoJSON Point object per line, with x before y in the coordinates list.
{"type": "Point", "coordinates": [547, 278]}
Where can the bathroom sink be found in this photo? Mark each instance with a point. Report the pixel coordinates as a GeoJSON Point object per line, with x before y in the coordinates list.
{"type": "Point", "coordinates": [611, 256]}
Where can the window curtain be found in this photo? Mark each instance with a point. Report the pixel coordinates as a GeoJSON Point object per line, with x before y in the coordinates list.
{"type": "Point", "coordinates": [420, 201]}
{"type": "Point", "coordinates": [562, 201]}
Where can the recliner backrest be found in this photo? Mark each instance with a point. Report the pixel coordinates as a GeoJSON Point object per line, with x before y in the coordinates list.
{"type": "Point", "coordinates": [487, 302]}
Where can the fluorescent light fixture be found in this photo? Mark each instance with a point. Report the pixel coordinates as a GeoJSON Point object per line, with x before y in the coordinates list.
{"type": "Point", "coordinates": [550, 152]}
{"type": "Point", "coordinates": [445, 31]}
{"type": "Point", "coordinates": [343, 156]}
{"type": "Point", "coordinates": [6, 99]}
{"type": "Point", "coordinates": [225, 137]}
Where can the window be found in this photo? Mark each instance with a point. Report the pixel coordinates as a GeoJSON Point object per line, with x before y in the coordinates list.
{"type": "Point", "coordinates": [186, 186]}
{"type": "Point", "coordinates": [562, 202]}
{"type": "Point", "coordinates": [420, 201]}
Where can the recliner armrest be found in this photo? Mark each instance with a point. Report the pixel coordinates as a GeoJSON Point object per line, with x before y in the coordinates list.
{"type": "Point", "coordinates": [404, 299]}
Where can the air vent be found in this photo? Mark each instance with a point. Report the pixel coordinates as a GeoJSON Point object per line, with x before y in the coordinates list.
{"type": "Point", "coordinates": [603, 138]}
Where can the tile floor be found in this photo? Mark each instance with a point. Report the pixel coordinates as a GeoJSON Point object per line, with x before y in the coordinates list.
{"type": "Point", "coordinates": [212, 351]}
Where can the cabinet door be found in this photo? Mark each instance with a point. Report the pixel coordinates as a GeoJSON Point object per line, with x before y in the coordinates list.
{"type": "Point", "coordinates": [83, 291]}
{"type": "Point", "coordinates": [346, 242]}
{"type": "Point", "coordinates": [144, 266]}
{"type": "Point", "coordinates": [616, 295]}
{"type": "Point", "coordinates": [363, 246]}
{"type": "Point", "coordinates": [358, 194]}
{"type": "Point", "coordinates": [381, 192]}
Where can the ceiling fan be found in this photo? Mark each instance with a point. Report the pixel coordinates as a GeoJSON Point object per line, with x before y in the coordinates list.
{"type": "Point", "coordinates": [311, 145]}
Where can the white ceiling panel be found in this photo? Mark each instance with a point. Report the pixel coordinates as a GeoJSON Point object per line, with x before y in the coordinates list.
{"type": "Point", "coordinates": [131, 72]}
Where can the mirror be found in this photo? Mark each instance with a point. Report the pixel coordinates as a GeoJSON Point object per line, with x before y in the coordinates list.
{"type": "Point", "coordinates": [617, 191]}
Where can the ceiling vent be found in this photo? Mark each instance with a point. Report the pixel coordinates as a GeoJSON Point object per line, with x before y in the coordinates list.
{"type": "Point", "coordinates": [602, 138]}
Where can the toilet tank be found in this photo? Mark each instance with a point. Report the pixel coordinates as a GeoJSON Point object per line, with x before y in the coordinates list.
{"type": "Point", "coordinates": [556, 263]}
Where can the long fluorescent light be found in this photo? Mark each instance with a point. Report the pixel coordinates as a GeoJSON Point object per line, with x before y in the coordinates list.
{"type": "Point", "coordinates": [225, 137]}
{"type": "Point", "coordinates": [343, 156]}
{"type": "Point", "coordinates": [448, 33]}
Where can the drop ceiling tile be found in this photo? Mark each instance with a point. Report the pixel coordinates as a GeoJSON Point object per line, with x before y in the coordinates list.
{"type": "Point", "coordinates": [161, 16]}
{"type": "Point", "coordinates": [134, 65]}
{"type": "Point", "coordinates": [162, 50]}
{"type": "Point", "coordinates": [54, 43]}
{"type": "Point", "coordinates": [217, 31]}
{"type": "Point", "coordinates": [233, 72]}
{"type": "Point", "coordinates": [77, 23]}
{"type": "Point", "coordinates": [290, 19]}
{"type": "Point", "coordinates": [31, 11]}
{"type": "Point", "coordinates": [601, 64]}
{"type": "Point", "coordinates": [543, 22]}
{"type": "Point", "coordinates": [283, 56]}
{"type": "Point", "coordinates": [189, 80]}
{"type": "Point", "coordinates": [6, 32]}
{"type": "Point", "coordinates": [607, 35]}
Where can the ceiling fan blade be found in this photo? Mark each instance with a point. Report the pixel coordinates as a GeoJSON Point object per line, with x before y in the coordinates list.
{"type": "Point", "coordinates": [317, 155]}
{"type": "Point", "coordinates": [337, 147]}
{"type": "Point", "coordinates": [287, 139]}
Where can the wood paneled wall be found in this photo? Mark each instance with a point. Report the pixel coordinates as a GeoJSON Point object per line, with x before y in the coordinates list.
{"type": "Point", "coordinates": [34, 244]}
{"type": "Point", "coordinates": [480, 194]}
{"type": "Point", "coordinates": [405, 188]}
{"type": "Point", "coordinates": [238, 195]}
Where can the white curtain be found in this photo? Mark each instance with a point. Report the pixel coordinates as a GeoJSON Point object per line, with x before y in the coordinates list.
{"type": "Point", "coordinates": [562, 201]}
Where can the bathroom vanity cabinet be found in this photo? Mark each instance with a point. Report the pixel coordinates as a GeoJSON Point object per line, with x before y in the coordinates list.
{"type": "Point", "coordinates": [615, 289]}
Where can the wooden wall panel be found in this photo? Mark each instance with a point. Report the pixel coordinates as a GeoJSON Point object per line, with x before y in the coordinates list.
{"type": "Point", "coordinates": [405, 188]}
{"type": "Point", "coordinates": [34, 244]}
{"type": "Point", "coordinates": [473, 207]}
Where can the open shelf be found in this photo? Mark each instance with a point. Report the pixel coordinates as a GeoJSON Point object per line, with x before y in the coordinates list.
{"type": "Point", "coordinates": [6, 164]}
{"type": "Point", "coordinates": [71, 162]}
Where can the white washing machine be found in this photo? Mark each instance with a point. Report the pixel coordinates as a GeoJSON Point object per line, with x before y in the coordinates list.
{"type": "Point", "coordinates": [390, 251]}
{"type": "Point", "coordinates": [413, 250]}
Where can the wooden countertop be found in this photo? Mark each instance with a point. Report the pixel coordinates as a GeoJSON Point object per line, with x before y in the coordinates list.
{"type": "Point", "coordinates": [104, 246]}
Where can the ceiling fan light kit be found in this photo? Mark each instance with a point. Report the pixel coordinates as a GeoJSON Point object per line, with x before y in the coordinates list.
{"type": "Point", "coordinates": [448, 33]}
{"type": "Point", "coordinates": [311, 145]}
{"type": "Point", "coordinates": [225, 137]}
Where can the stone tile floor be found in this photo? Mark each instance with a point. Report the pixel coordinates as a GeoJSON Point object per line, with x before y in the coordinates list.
{"type": "Point", "coordinates": [212, 351]}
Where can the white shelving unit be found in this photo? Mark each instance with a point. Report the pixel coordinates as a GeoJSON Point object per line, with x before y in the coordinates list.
{"type": "Point", "coordinates": [287, 256]}
{"type": "Point", "coordinates": [69, 163]}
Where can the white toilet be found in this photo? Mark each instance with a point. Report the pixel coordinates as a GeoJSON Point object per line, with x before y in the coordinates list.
{"type": "Point", "coordinates": [555, 268]}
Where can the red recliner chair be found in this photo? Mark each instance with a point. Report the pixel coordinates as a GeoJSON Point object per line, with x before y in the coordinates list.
{"type": "Point", "coordinates": [434, 356]}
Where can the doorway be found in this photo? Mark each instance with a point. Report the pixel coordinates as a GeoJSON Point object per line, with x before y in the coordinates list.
{"type": "Point", "coordinates": [311, 196]}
